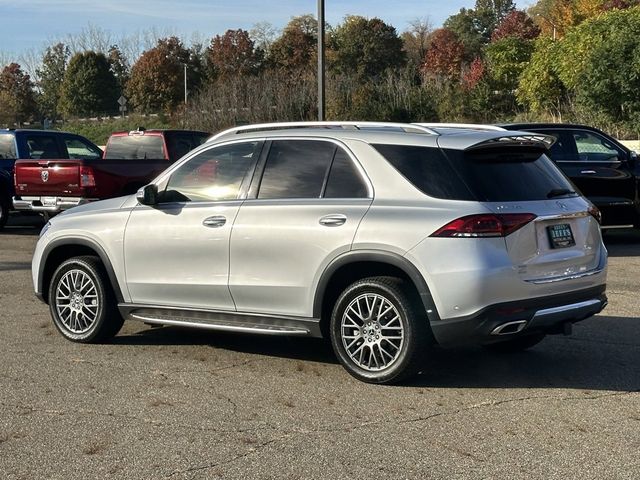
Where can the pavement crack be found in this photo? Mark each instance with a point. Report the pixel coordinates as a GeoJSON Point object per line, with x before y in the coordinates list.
{"type": "Point", "coordinates": [246, 454]}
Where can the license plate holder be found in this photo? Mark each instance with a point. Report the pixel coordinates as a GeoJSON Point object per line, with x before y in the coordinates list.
{"type": "Point", "coordinates": [560, 235]}
{"type": "Point", "coordinates": [49, 201]}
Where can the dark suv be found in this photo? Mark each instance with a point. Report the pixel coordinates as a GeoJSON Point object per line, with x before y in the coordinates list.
{"type": "Point", "coordinates": [604, 170]}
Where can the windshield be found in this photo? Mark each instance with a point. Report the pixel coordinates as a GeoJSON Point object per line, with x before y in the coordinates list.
{"type": "Point", "coordinates": [132, 147]}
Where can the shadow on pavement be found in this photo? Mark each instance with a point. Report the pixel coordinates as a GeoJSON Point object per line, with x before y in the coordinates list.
{"type": "Point", "coordinates": [602, 356]}
{"type": "Point", "coordinates": [622, 243]}
{"type": "Point", "coordinates": [23, 224]}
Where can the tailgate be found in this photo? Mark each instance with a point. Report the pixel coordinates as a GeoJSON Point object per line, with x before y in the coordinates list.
{"type": "Point", "coordinates": [563, 240]}
{"type": "Point", "coordinates": [48, 177]}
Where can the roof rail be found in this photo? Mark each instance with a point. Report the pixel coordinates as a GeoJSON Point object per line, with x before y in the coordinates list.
{"type": "Point", "coordinates": [466, 126]}
{"type": "Point", "coordinates": [406, 127]}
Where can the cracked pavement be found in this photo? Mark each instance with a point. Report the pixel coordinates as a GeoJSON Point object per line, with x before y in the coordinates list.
{"type": "Point", "coordinates": [183, 404]}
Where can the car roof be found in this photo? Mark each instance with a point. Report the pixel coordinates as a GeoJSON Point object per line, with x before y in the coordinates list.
{"type": "Point", "coordinates": [457, 139]}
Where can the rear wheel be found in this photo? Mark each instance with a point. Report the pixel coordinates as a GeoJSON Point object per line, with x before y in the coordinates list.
{"type": "Point", "coordinates": [82, 303]}
{"type": "Point", "coordinates": [378, 331]}
{"type": "Point", "coordinates": [516, 344]}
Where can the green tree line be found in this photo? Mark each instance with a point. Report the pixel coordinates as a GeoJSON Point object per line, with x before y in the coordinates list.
{"type": "Point", "coordinates": [561, 60]}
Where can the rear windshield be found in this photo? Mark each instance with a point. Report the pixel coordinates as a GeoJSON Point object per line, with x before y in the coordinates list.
{"type": "Point", "coordinates": [134, 147]}
{"type": "Point", "coordinates": [492, 175]}
{"type": "Point", "coordinates": [181, 143]}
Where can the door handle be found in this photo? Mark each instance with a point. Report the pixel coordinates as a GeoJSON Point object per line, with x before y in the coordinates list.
{"type": "Point", "coordinates": [334, 220]}
{"type": "Point", "coordinates": [215, 221]}
{"type": "Point", "coordinates": [588, 172]}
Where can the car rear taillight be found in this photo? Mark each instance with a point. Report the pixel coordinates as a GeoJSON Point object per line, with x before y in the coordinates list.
{"type": "Point", "coordinates": [87, 179]}
{"type": "Point", "coordinates": [595, 213]}
{"type": "Point", "coordinates": [485, 225]}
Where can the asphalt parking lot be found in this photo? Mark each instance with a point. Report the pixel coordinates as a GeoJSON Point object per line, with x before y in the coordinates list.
{"type": "Point", "coordinates": [174, 403]}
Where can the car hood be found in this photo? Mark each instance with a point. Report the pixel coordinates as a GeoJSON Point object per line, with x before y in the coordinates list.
{"type": "Point", "coordinates": [101, 205]}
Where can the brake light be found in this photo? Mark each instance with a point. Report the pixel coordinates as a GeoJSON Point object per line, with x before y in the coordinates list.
{"type": "Point", "coordinates": [485, 225]}
{"type": "Point", "coordinates": [595, 213]}
{"type": "Point", "coordinates": [87, 179]}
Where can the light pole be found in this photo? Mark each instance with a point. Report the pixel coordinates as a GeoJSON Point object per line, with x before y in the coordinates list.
{"type": "Point", "coordinates": [185, 83]}
{"type": "Point", "coordinates": [321, 87]}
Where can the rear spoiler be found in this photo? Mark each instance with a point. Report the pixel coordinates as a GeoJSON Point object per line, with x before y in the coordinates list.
{"type": "Point", "coordinates": [538, 141]}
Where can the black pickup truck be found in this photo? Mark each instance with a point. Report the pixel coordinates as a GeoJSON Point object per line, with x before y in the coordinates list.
{"type": "Point", "coordinates": [603, 169]}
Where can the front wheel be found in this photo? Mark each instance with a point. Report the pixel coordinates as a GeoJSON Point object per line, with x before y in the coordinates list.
{"type": "Point", "coordinates": [82, 303]}
{"type": "Point", "coordinates": [379, 330]}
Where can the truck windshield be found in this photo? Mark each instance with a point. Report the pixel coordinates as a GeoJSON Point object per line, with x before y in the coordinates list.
{"type": "Point", "coordinates": [133, 147]}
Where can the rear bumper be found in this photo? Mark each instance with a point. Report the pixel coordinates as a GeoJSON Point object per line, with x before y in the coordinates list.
{"type": "Point", "coordinates": [50, 204]}
{"type": "Point", "coordinates": [508, 320]}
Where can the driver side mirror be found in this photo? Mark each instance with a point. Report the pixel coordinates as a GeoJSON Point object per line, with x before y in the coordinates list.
{"type": "Point", "coordinates": [148, 195]}
{"type": "Point", "coordinates": [633, 157]}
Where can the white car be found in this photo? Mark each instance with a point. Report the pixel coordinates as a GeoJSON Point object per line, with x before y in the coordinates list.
{"type": "Point", "coordinates": [387, 238]}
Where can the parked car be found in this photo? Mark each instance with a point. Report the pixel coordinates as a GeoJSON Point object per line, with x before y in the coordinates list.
{"type": "Point", "coordinates": [386, 238]}
{"type": "Point", "coordinates": [604, 170]}
{"type": "Point", "coordinates": [601, 167]}
{"type": "Point", "coordinates": [72, 174]}
{"type": "Point", "coordinates": [41, 145]}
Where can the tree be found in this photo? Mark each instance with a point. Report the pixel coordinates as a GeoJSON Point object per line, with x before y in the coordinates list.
{"type": "Point", "coordinates": [263, 35]}
{"type": "Point", "coordinates": [234, 53]}
{"type": "Point", "coordinates": [463, 24]}
{"type": "Point", "coordinates": [415, 40]}
{"type": "Point", "coordinates": [594, 52]}
{"type": "Point", "coordinates": [366, 47]}
{"type": "Point", "coordinates": [445, 55]}
{"type": "Point", "coordinates": [489, 13]}
{"type": "Point", "coordinates": [157, 77]}
{"type": "Point", "coordinates": [295, 49]}
{"type": "Point", "coordinates": [516, 24]}
{"type": "Point", "coordinates": [51, 75]}
{"type": "Point", "coordinates": [119, 66]}
{"type": "Point", "coordinates": [89, 86]}
{"type": "Point", "coordinates": [540, 89]}
{"type": "Point", "coordinates": [17, 98]}
{"type": "Point", "coordinates": [507, 58]}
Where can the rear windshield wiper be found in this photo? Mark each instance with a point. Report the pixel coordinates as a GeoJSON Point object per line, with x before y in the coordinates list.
{"type": "Point", "coordinates": [559, 192]}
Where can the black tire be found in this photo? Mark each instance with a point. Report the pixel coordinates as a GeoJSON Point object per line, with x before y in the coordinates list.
{"type": "Point", "coordinates": [5, 206]}
{"type": "Point", "coordinates": [79, 317]}
{"type": "Point", "coordinates": [516, 344]}
{"type": "Point", "coordinates": [415, 333]}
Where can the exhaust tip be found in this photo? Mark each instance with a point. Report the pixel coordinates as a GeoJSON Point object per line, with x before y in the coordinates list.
{"type": "Point", "coordinates": [509, 328]}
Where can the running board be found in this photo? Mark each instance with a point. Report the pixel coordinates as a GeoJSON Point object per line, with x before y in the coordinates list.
{"type": "Point", "coordinates": [222, 320]}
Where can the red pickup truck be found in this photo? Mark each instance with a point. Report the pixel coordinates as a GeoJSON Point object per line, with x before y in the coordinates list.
{"type": "Point", "coordinates": [64, 174]}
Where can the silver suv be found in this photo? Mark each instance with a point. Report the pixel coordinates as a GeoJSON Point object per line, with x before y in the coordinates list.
{"type": "Point", "coordinates": [385, 238]}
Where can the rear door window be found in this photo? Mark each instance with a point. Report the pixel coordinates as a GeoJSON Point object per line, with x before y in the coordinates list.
{"type": "Point", "coordinates": [344, 180]}
{"type": "Point", "coordinates": [296, 169]}
{"type": "Point", "coordinates": [7, 147]}
{"type": "Point", "coordinates": [43, 147]}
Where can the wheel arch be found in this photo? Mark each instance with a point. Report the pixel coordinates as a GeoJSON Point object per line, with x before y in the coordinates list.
{"type": "Point", "coordinates": [62, 249]}
{"type": "Point", "coordinates": [355, 265]}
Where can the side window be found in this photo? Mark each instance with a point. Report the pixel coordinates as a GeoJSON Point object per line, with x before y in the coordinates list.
{"type": "Point", "coordinates": [214, 174]}
{"type": "Point", "coordinates": [564, 149]}
{"type": "Point", "coordinates": [595, 148]}
{"type": "Point", "coordinates": [78, 148]}
{"type": "Point", "coordinates": [296, 169]}
{"type": "Point", "coordinates": [344, 180]}
{"type": "Point", "coordinates": [7, 147]}
{"type": "Point", "coordinates": [43, 147]}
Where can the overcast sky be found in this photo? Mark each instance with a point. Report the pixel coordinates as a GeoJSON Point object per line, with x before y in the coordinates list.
{"type": "Point", "coordinates": [31, 24]}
